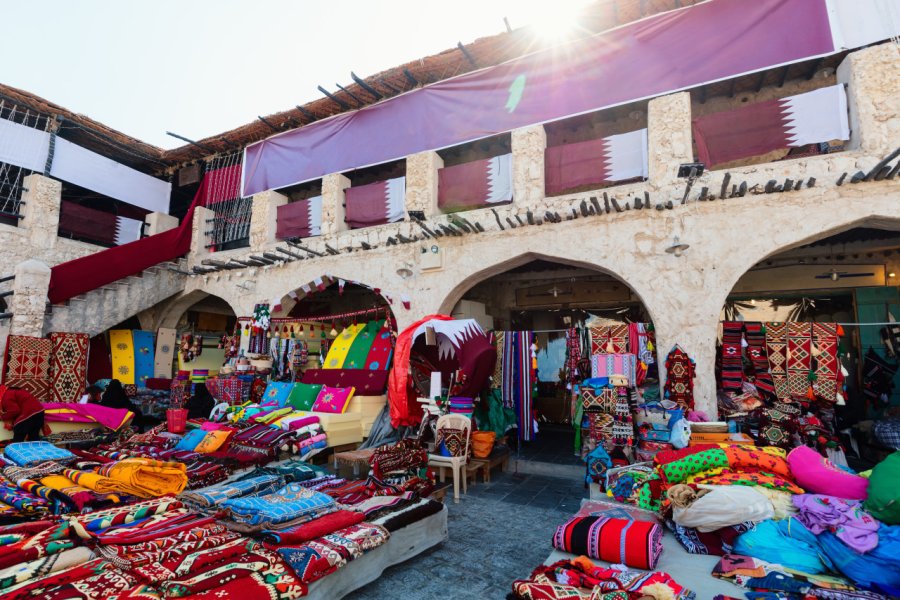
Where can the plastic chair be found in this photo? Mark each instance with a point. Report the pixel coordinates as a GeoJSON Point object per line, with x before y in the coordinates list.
{"type": "Point", "coordinates": [455, 463]}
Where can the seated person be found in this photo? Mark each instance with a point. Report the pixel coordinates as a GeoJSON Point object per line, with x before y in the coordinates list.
{"type": "Point", "coordinates": [201, 403]}
{"type": "Point", "coordinates": [92, 394]}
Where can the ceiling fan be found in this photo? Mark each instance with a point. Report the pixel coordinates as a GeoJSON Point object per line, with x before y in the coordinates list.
{"type": "Point", "coordinates": [835, 275]}
{"type": "Point", "coordinates": [554, 291]}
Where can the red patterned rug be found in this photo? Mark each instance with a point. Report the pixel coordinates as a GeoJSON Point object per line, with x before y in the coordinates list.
{"type": "Point", "coordinates": [776, 345]}
{"type": "Point", "coordinates": [680, 371]}
{"type": "Point", "coordinates": [609, 339]}
{"type": "Point", "coordinates": [68, 366]}
{"type": "Point", "coordinates": [799, 353]}
{"type": "Point", "coordinates": [28, 365]}
{"type": "Point", "coordinates": [825, 338]}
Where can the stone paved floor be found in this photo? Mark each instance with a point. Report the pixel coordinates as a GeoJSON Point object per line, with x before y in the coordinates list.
{"type": "Point", "coordinates": [498, 532]}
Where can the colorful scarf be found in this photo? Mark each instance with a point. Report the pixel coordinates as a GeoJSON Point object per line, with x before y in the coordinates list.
{"type": "Point", "coordinates": [518, 379]}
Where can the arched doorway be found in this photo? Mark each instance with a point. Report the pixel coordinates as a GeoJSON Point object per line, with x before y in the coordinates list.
{"type": "Point", "coordinates": [568, 312]}
{"type": "Point", "coordinates": [808, 328]}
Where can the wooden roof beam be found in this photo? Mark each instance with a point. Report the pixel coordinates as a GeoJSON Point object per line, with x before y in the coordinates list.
{"type": "Point", "coordinates": [365, 86]}
{"type": "Point", "coordinates": [334, 98]}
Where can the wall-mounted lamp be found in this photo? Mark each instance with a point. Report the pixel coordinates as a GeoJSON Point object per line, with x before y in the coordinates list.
{"type": "Point", "coordinates": [405, 272]}
{"type": "Point", "coordinates": [678, 247]}
{"type": "Point", "coordinates": [892, 274]}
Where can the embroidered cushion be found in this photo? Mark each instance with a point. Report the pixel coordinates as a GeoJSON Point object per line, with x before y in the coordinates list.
{"type": "Point", "coordinates": [277, 393]}
{"type": "Point", "coordinates": [303, 395]}
{"type": "Point", "coordinates": [333, 400]}
{"type": "Point", "coordinates": [213, 440]}
{"type": "Point", "coordinates": [191, 440]}
{"type": "Point", "coordinates": [451, 441]}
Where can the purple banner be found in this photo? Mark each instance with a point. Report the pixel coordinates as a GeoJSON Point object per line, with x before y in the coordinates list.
{"type": "Point", "coordinates": [672, 51]}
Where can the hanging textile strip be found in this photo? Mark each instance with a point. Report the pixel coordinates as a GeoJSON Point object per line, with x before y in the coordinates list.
{"type": "Point", "coordinates": [680, 379]}
{"type": "Point", "coordinates": [756, 350]}
{"type": "Point", "coordinates": [799, 354]}
{"type": "Point", "coordinates": [362, 345]}
{"type": "Point", "coordinates": [776, 347]}
{"type": "Point", "coordinates": [599, 339]}
{"type": "Point", "coordinates": [379, 356]}
{"type": "Point", "coordinates": [122, 347]}
{"type": "Point", "coordinates": [639, 342]}
{"type": "Point", "coordinates": [143, 357]}
{"type": "Point", "coordinates": [608, 365]}
{"type": "Point", "coordinates": [68, 366]}
{"type": "Point", "coordinates": [166, 340]}
{"type": "Point", "coordinates": [573, 356]}
{"type": "Point", "coordinates": [28, 365]}
{"type": "Point", "coordinates": [825, 338]}
{"type": "Point", "coordinates": [618, 339]}
{"type": "Point", "coordinates": [497, 377]}
{"type": "Point", "coordinates": [732, 361]}
{"type": "Point", "coordinates": [337, 354]}
{"type": "Point", "coordinates": [517, 379]}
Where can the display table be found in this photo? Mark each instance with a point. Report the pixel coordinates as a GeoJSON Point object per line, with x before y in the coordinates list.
{"type": "Point", "coordinates": [499, 457]}
{"type": "Point", "coordinates": [404, 544]}
{"type": "Point", "coordinates": [354, 459]}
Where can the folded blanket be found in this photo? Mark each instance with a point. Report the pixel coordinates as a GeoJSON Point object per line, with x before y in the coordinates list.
{"type": "Point", "coordinates": [398, 519]}
{"type": "Point", "coordinates": [41, 567]}
{"type": "Point", "coordinates": [146, 477]}
{"type": "Point", "coordinates": [240, 565]}
{"type": "Point", "coordinates": [290, 503]}
{"type": "Point", "coordinates": [313, 529]}
{"type": "Point", "coordinates": [82, 497]}
{"type": "Point", "coordinates": [93, 481]}
{"type": "Point", "coordinates": [634, 543]}
{"type": "Point", "coordinates": [87, 526]}
{"type": "Point", "coordinates": [316, 559]}
{"type": "Point", "coordinates": [215, 495]}
{"type": "Point", "coordinates": [26, 454]}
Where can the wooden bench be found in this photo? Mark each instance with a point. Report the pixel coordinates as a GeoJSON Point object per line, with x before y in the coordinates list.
{"type": "Point", "coordinates": [499, 457]}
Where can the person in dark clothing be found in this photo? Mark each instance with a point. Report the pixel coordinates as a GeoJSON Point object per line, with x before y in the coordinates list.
{"type": "Point", "coordinates": [25, 412]}
{"type": "Point", "coordinates": [115, 397]}
{"type": "Point", "coordinates": [201, 403]}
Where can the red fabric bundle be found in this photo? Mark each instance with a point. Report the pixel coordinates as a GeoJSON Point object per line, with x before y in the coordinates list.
{"type": "Point", "coordinates": [324, 525]}
{"type": "Point", "coordinates": [634, 543]}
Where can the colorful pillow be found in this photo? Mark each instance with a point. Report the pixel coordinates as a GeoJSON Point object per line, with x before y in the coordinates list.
{"type": "Point", "coordinates": [277, 393]}
{"type": "Point", "coordinates": [817, 475]}
{"type": "Point", "coordinates": [191, 440]}
{"type": "Point", "coordinates": [213, 440]}
{"type": "Point", "coordinates": [333, 400]}
{"type": "Point", "coordinates": [303, 395]}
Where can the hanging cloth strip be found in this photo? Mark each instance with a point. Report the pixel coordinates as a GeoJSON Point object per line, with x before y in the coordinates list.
{"type": "Point", "coordinates": [776, 347]}
{"type": "Point", "coordinates": [143, 357]}
{"type": "Point", "coordinates": [799, 354]}
{"type": "Point", "coordinates": [517, 371]}
{"type": "Point", "coordinates": [680, 378]}
{"type": "Point", "coordinates": [362, 344]}
{"type": "Point", "coordinates": [828, 368]}
{"type": "Point", "coordinates": [755, 335]}
{"type": "Point", "coordinates": [166, 340]}
{"type": "Point", "coordinates": [732, 360]}
{"type": "Point", "coordinates": [337, 354]}
{"type": "Point", "coordinates": [379, 356]}
{"type": "Point", "coordinates": [122, 346]}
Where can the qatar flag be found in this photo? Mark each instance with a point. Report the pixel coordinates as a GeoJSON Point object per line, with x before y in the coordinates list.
{"type": "Point", "coordinates": [595, 162]}
{"type": "Point", "coordinates": [475, 184]}
{"type": "Point", "coordinates": [99, 226]}
{"type": "Point", "coordinates": [791, 122]}
{"type": "Point", "coordinates": [300, 219]}
{"type": "Point", "coordinates": [376, 203]}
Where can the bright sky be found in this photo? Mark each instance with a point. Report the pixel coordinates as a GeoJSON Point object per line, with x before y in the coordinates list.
{"type": "Point", "coordinates": [202, 67]}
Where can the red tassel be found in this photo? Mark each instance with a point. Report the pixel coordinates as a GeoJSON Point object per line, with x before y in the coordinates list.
{"type": "Point", "coordinates": [840, 330]}
{"type": "Point", "coordinates": [810, 393]}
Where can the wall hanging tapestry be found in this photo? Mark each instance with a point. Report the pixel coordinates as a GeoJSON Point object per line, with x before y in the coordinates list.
{"type": "Point", "coordinates": [608, 365]}
{"type": "Point", "coordinates": [755, 334]}
{"type": "Point", "coordinates": [166, 339]}
{"type": "Point", "coordinates": [776, 347]}
{"type": "Point", "coordinates": [732, 356]}
{"type": "Point", "coordinates": [122, 347]}
{"type": "Point", "coordinates": [799, 358]}
{"type": "Point", "coordinates": [379, 356]}
{"type": "Point", "coordinates": [609, 339]}
{"type": "Point", "coordinates": [337, 354]}
{"type": "Point", "coordinates": [143, 357]}
{"type": "Point", "coordinates": [28, 365]}
{"type": "Point", "coordinates": [362, 344]}
{"type": "Point", "coordinates": [828, 367]}
{"type": "Point", "coordinates": [517, 379]}
{"type": "Point", "coordinates": [68, 366]}
{"type": "Point", "coordinates": [680, 379]}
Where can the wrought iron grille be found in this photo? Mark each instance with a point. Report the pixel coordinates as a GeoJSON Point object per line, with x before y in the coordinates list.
{"type": "Point", "coordinates": [12, 176]}
{"type": "Point", "coordinates": [230, 226]}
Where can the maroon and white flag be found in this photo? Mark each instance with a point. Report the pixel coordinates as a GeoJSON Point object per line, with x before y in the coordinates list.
{"type": "Point", "coordinates": [791, 122]}
{"type": "Point", "coordinates": [595, 162]}
{"type": "Point", "coordinates": [475, 184]}
{"type": "Point", "coordinates": [376, 203]}
{"type": "Point", "coordinates": [300, 219]}
{"type": "Point", "coordinates": [102, 227]}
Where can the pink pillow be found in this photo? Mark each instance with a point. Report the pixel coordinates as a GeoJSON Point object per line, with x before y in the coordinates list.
{"type": "Point", "coordinates": [817, 474]}
{"type": "Point", "coordinates": [333, 400]}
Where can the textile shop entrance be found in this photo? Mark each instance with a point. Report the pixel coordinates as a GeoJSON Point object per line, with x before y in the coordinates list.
{"type": "Point", "coordinates": [548, 320]}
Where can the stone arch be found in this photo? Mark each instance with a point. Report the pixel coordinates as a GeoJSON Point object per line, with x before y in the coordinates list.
{"type": "Point", "coordinates": [171, 314]}
{"type": "Point", "coordinates": [287, 301]}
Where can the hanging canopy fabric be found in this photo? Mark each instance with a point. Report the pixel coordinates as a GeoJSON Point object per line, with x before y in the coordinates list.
{"type": "Point", "coordinates": [596, 162]}
{"type": "Point", "coordinates": [672, 51]}
{"type": "Point", "coordinates": [791, 122]}
{"type": "Point", "coordinates": [23, 146]}
{"type": "Point", "coordinates": [475, 184]}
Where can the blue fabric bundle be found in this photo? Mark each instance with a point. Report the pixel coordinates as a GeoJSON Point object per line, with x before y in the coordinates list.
{"type": "Point", "coordinates": [877, 569]}
{"type": "Point", "coordinates": [293, 503]}
{"type": "Point", "coordinates": [31, 453]}
{"type": "Point", "coordinates": [787, 542]}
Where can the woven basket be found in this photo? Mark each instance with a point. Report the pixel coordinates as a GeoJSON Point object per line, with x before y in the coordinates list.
{"type": "Point", "coordinates": [710, 427]}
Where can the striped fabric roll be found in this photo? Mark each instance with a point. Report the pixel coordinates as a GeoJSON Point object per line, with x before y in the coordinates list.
{"type": "Point", "coordinates": [634, 543]}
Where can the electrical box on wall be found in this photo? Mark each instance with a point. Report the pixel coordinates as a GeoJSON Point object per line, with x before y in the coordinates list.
{"type": "Point", "coordinates": [431, 258]}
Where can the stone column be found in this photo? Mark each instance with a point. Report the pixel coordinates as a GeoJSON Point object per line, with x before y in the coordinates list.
{"type": "Point", "coordinates": [157, 222]}
{"type": "Point", "coordinates": [199, 239]}
{"type": "Point", "coordinates": [422, 182]}
{"type": "Point", "coordinates": [668, 136]}
{"type": "Point", "coordinates": [333, 199]}
{"type": "Point", "coordinates": [528, 145]}
{"type": "Point", "coordinates": [29, 302]}
{"type": "Point", "coordinates": [40, 212]}
{"type": "Point", "coordinates": [872, 77]}
{"type": "Point", "coordinates": [264, 219]}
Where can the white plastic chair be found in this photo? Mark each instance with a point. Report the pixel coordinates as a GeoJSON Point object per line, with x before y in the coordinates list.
{"type": "Point", "coordinates": [457, 464]}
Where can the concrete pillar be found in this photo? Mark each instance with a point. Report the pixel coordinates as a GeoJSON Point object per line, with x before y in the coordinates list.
{"type": "Point", "coordinates": [40, 212]}
{"type": "Point", "coordinates": [668, 136]}
{"type": "Point", "coordinates": [699, 341]}
{"type": "Point", "coordinates": [333, 200]}
{"type": "Point", "coordinates": [29, 302]}
{"type": "Point", "coordinates": [528, 145]}
{"type": "Point", "coordinates": [199, 239]}
{"type": "Point", "coordinates": [872, 77]}
{"type": "Point", "coordinates": [422, 182]}
{"type": "Point", "coordinates": [157, 222]}
{"type": "Point", "coordinates": [264, 218]}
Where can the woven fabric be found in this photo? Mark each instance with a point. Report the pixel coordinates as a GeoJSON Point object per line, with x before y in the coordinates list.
{"type": "Point", "coordinates": [362, 345]}
{"type": "Point", "coordinates": [379, 356]}
{"type": "Point", "coordinates": [717, 543]}
{"type": "Point", "coordinates": [776, 347]}
{"type": "Point", "coordinates": [290, 503]}
{"type": "Point", "coordinates": [732, 359]}
{"type": "Point", "coordinates": [166, 341]}
{"type": "Point", "coordinates": [143, 357]}
{"type": "Point", "coordinates": [755, 335]}
{"type": "Point", "coordinates": [28, 365]}
{"type": "Point", "coordinates": [679, 386]}
{"type": "Point", "coordinates": [799, 358]}
{"type": "Point", "coordinates": [609, 339]}
{"type": "Point", "coordinates": [517, 379]}
{"type": "Point", "coordinates": [31, 453]}
{"type": "Point", "coordinates": [608, 365]}
{"type": "Point", "coordinates": [337, 354]}
{"type": "Point", "coordinates": [599, 399]}
{"type": "Point", "coordinates": [121, 345]}
{"type": "Point", "coordinates": [620, 541]}
{"type": "Point", "coordinates": [68, 366]}
{"type": "Point", "coordinates": [825, 338]}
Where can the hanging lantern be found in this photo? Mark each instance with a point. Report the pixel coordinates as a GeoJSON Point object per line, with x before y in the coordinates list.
{"type": "Point", "coordinates": [301, 327]}
{"type": "Point", "coordinates": [247, 327]}
{"type": "Point", "coordinates": [333, 330]}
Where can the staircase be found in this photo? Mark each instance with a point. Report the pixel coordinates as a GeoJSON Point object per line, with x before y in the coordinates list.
{"type": "Point", "coordinates": [96, 311]}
